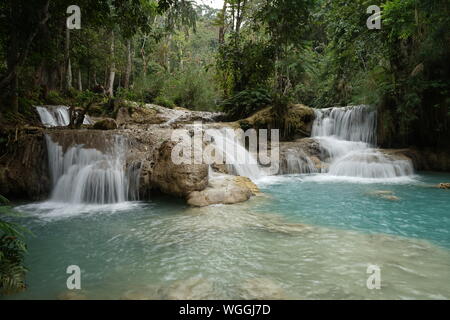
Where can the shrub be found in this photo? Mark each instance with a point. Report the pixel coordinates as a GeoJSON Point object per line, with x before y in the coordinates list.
{"type": "Point", "coordinates": [165, 102]}
{"type": "Point", "coordinates": [245, 103]}
{"type": "Point", "coordinates": [53, 97]}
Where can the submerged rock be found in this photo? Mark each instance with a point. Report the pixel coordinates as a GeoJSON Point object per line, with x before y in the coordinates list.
{"type": "Point", "coordinates": [261, 289]}
{"type": "Point", "coordinates": [385, 194]}
{"type": "Point", "coordinates": [444, 186]}
{"type": "Point", "coordinates": [224, 190]}
{"type": "Point", "coordinates": [190, 289]}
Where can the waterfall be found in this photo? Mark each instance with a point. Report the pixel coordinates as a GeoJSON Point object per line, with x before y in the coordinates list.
{"type": "Point", "coordinates": [85, 175]}
{"type": "Point", "coordinates": [297, 162]}
{"type": "Point", "coordinates": [238, 159]}
{"type": "Point", "coordinates": [57, 116]}
{"type": "Point", "coordinates": [349, 136]}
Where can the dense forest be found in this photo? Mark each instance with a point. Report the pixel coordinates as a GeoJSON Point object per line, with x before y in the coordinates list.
{"type": "Point", "coordinates": [248, 56]}
{"type": "Point", "coordinates": [239, 59]}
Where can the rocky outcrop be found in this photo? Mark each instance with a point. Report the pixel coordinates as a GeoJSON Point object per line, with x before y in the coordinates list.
{"type": "Point", "coordinates": [177, 179]}
{"type": "Point", "coordinates": [299, 120]}
{"type": "Point", "coordinates": [424, 159]}
{"type": "Point", "coordinates": [224, 189]}
{"type": "Point", "coordinates": [302, 156]}
{"type": "Point", "coordinates": [23, 165]}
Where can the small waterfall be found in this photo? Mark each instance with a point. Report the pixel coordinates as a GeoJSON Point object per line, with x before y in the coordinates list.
{"type": "Point", "coordinates": [349, 137]}
{"type": "Point", "coordinates": [83, 175]}
{"type": "Point", "coordinates": [357, 123]}
{"type": "Point", "coordinates": [297, 162]}
{"type": "Point", "coordinates": [238, 159]}
{"type": "Point", "coordinates": [57, 116]}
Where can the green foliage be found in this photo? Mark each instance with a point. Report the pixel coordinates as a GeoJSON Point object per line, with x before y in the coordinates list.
{"type": "Point", "coordinates": [243, 64]}
{"type": "Point", "coordinates": [246, 102]}
{"type": "Point", "coordinates": [165, 102]}
{"type": "Point", "coordinates": [55, 98]}
{"type": "Point", "coordinates": [12, 251]}
{"type": "Point", "coordinates": [191, 88]}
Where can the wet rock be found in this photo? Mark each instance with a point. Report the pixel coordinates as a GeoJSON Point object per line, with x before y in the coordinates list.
{"type": "Point", "coordinates": [302, 156]}
{"type": "Point", "coordinates": [424, 159]}
{"type": "Point", "coordinates": [105, 124]}
{"type": "Point", "coordinates": [445, 186]}
{"type": "Point", "coordinates": [224, 190]}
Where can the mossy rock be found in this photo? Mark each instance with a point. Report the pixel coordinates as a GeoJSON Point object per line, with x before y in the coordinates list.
{"type": "Point", "coordinates": [106, 124]}
{"type": "Point", "coordinates": [297, 122]}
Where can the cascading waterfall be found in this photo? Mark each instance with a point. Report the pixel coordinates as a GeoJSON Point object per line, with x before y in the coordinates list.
{"type": "Point", "coordinates": [297, 162]}
{"type": "Point", "coordinates": [57, 116]}
{"type": "Point", "coordinates": [238, 159]}
{"type": "Point", "coordinates": [349, 137]}
{"type": "Point", "coordinates": [82, 175]}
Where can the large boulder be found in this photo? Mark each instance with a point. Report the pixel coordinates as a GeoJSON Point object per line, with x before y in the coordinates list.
{"type": "Point", "coordinates": [177, 179]}
{"type": "Point", "coordinates": [224, 189]}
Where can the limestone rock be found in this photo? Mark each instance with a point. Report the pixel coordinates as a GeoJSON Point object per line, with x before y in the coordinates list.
{"type": "Point", "coordinates": [177, 179]}
{"type": "Point", "coordinates": [444, 186]}
{"type": "Point", "coordinates": [224, 190]}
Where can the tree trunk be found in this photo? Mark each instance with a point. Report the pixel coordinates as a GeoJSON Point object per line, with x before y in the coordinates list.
{"type": "Point", "coordinates": [112, 72]}
{"type": "Point", "coordinates": [80, 84]}
{"type": "Point", "coordinates": [222, 26]}
{"type": "Point", "coordinates": [68, 82]}
{"type": "Point", "coordinates": [126, 83]}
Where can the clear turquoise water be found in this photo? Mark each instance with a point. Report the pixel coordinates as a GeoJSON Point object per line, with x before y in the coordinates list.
{"type": "Point", "coordinates": [305, 238]}
{"type": "Point", "coordinates": [421, 210]}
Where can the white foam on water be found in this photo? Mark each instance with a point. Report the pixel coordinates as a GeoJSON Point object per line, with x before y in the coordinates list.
{"type": "Point", "coordinates": [88, 176]}
{"type": "Point", "coordinates": [52, 210]}
{"type": "Point", "coordinates": [348, 135]}
{"type": "Point", "coordinates": [237, 158]}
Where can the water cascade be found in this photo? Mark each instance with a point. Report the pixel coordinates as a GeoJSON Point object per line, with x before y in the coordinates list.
{"type": "Point", "coordinates": [238, 159]}
{"type": "Point", "coordinates": [57, 116]}
{"type": "Point", "coordinates": [85, 175]}
{"type": "Point", "coordinates": [349, 137]}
